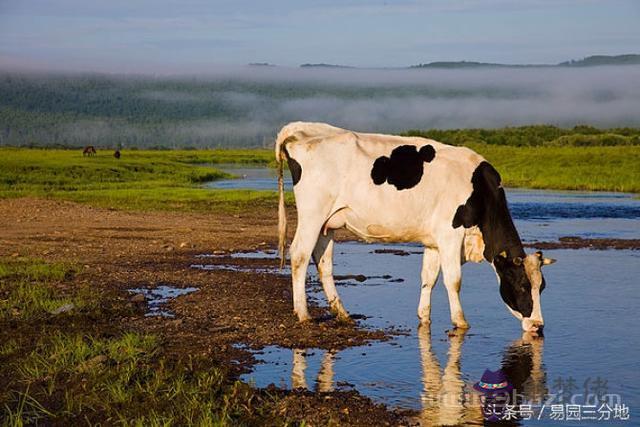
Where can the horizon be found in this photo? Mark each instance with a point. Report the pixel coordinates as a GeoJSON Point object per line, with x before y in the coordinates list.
{"type": "Point", "coordinates": [191, 37]}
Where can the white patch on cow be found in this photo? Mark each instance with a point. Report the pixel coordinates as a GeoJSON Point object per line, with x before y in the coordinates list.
{"type": "Point", "coordinates": [473, 245]}
{"type": "Point", "coordinates": [532, 267]}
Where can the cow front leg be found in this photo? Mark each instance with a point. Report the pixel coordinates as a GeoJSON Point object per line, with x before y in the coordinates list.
{"type": "Point", "coordinates": [429, 276]}
{"type": "Point", "coordinates": [452, 274]}
{"type": "Point", "coordinates": [323, 257]}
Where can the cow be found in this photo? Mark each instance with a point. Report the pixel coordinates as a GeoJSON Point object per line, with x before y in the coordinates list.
{"type": "Point", "coordinates": [386, 188]}
{"type": "Point", "coordinates": [89, 150]}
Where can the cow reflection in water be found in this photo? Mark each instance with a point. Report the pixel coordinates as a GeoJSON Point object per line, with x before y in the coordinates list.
{"type": "Point", "coordinates": [324, 381]}
{"type": "Point", "coordinates": [446, 398]}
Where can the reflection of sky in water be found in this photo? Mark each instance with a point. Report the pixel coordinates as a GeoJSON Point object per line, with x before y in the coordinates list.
{"type": "Point", "coordinates": [589, 305]}
{"type": "Point", "coordinates": [539, 214]}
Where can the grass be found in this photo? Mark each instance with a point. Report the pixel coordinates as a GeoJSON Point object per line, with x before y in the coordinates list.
{"type": "Point", "coordinates": [172, 180]}
{"type": "Point", "coordinates": [121, 380]}
{"type": "Point", "coordinates": [27, 289]}
{"type": "Point", "coordinates": [68, 370]}
{"type": "Point", "coordinates": [615, 168]}
{"type": "Point", "coordinates": [140, 180]}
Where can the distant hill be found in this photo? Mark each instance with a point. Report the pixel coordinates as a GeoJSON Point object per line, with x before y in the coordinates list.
{"type": "Point", "coordinates": [630, 59]}
{"type": "Point", "coordinates": [595, 60]}
{"type": "Point", "coordinates": [323, 65]}
{"type": "Point", "coordinates": [466, 64]}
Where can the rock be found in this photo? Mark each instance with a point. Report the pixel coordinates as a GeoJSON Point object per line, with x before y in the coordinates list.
{"type": "Point", "coordinates": [63, 309]}
{"type": "Point", "coordinates": [137, 298]}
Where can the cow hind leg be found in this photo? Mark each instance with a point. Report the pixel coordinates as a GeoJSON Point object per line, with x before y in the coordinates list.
{"type": "Point", "coordinates": [429, 276]}
{"type": "Point", "coordinates": [450, 260]}
{"type": "Point", "coordinates": [301, 250]}
{"type": "Point", "coordinates": [323, 257]}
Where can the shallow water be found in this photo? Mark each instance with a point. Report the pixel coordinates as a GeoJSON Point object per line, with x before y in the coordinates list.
{"type": "Point", "coordinates": [590, 307]}
{"type": "Point", "coordinates": [157, 298]}
{"type": "Point", "coordinates": [590, 310]}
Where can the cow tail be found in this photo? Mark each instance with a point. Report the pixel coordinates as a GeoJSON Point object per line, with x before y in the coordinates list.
{"type": "Point", "coordinates": [282, 214]}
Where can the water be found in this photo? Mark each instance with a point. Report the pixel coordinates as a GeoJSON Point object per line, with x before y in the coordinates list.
{"type": "Point", "coordinates": [591, 335]}
{"type": "Point", "coordinates": [590, 307]}
{"type": "Point", "coordinates": [158, 297]}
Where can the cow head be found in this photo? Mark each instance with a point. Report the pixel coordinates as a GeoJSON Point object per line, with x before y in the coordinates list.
{"type": "Point", "coordinates": [521, 283]}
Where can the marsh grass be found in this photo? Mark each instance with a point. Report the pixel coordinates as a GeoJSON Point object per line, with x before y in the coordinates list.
{"type": "Point", "coordinates": [139, 180]}
{"type": "Point", "coordinates": [172, 180]}
{"type": "Point", "coordinates": [123, 380]}
{"type": "Point", "coordinates": [27, 288]}
{"type": "Point", "coordinates": [63, 370]}
{"type": "Point", "coordinates": [614, 168]}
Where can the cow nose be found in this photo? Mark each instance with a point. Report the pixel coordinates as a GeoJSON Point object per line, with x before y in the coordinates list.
{"type": "Point", "coordinates": [532, 325]}
{"type": "Point", "coordinates": [537, 327]}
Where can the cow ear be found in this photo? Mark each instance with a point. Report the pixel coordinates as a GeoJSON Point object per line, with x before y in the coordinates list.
{"type": "Point", "coordinates": [547, 261]}
{"type": "Point", "coordinates": [517, 260]}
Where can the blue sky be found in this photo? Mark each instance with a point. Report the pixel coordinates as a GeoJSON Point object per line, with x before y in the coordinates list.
{"type": "Point", "coordinates": [195, 35]}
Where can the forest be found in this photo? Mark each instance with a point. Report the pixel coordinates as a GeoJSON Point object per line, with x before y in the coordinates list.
{"type": "Point", "coordinates": [72, 110]}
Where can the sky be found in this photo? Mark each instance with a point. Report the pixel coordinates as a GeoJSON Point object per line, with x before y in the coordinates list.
{"type": "Point", "coordinates": [196, 36]}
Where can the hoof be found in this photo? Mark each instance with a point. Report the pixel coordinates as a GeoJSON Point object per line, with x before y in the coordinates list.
{"type": "Point", "coordinates": [461, 325]}
{"type": "Point", "coordinates": [303, 318]}
{"type": "Point", "coordinates": [345, 318]}
{"type": "Point", "coordinates": [424, 321]}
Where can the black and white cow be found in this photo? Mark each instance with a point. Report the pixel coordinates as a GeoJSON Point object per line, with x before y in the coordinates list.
{"type": "Point", "coordinates": [403, 189]}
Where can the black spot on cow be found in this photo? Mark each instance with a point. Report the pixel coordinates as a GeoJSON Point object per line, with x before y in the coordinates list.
{"type": "Point", "coordinates": [487, 208]}
{"type": "Point", "coordinates": [294, 167]}
{"type": "Point", "coordinates": [404, 168]}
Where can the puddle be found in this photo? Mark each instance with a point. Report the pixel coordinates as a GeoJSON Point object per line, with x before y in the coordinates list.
{"type": "Point", "coordinates": [157, 297]}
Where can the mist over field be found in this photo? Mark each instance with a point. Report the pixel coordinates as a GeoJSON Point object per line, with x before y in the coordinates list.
{"type": "Point", "coordinates": [246, 106]}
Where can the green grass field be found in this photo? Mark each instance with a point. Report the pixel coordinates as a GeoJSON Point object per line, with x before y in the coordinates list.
{"type": "Point", "coordinates": [140, 180]}
{"type": "Point", "coordinates": [615, 168]}
{"type": "Point", "coordinates": [172, 180]}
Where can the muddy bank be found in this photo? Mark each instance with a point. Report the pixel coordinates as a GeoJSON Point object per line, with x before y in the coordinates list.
{"type": "Point", "coordinates": [574, 242]}
{"type": "Point", "coordinates": [228, 313]}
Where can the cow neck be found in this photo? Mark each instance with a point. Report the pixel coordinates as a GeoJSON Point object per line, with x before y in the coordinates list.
{"type": "Point", "coordinates": [498, 231]}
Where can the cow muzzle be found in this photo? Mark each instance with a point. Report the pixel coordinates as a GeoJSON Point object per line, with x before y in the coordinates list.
{"type": "Point", "coordinates": [532, 325]}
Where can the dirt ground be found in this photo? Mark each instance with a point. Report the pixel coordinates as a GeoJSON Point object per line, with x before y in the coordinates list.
{"type": "Point", "coordinates": [122, 250]}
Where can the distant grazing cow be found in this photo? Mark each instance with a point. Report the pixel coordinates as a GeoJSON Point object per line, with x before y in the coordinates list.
{"type": "Point", "coordinates": [116, 154]}
{"type": "Point", "coordinates": [403, 189]}
{"type": "Point", "coordinates": [89, 150]}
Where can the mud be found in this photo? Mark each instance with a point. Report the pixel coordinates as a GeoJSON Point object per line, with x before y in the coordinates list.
{"type": "Point", "coordinates": [231, 313]}
{"type": "Point", "coordinates": [574, 242]}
